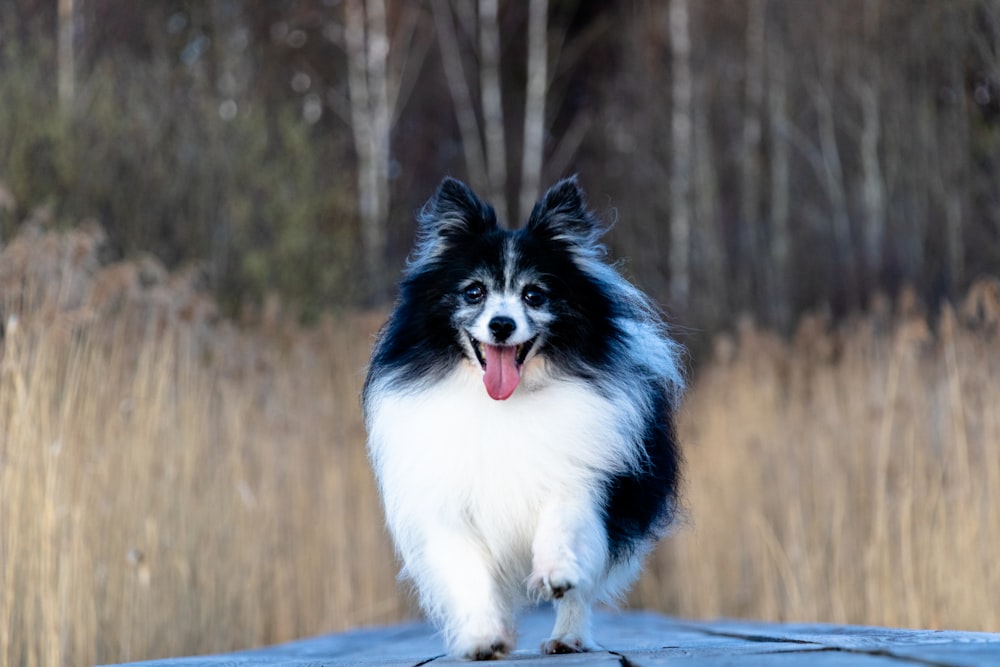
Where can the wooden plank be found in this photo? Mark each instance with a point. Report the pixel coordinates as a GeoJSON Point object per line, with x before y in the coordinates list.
{"type": "Point", "coordinates": [402, 645]}
{"type": "Point", "coordinates": [844, 636]}
{"type": "Point", "coordinates": [934, 647]}
{"type": "Point", "coordinates": [534, 658]}
{"type": "Point", "coordinates": [637, 630]}
{"type": "Point", "coordinates": [792, 658]}
{"type": "Point", "coordinates": [648, 640]}
{"type": "Point", "coordinates": [635, 639]}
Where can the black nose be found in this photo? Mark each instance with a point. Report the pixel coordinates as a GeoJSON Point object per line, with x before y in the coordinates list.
{"type": "Point", "coordinates": [502, 327]}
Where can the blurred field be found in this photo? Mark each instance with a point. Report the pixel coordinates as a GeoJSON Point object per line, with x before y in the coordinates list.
{"type": "Point", "coordinates": [173, 484]}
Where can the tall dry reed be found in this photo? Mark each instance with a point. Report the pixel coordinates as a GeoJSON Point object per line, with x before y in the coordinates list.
{"type": "Point", "coordinates": [171, 484]}
{"type": "Point", "coordinates": [850, 475]}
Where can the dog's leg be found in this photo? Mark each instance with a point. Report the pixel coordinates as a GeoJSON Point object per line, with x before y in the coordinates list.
{"type": "Point", "coordinates": [571, 633]}
{"type": "Point", "coordinates": [569, 561]}
{"type": "Point", "coordinates": [457, 588]}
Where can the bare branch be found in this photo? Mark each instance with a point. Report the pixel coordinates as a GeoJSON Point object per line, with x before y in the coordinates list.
{"type": "Point", "coordinates": [409, 49]}
{"type": "Point", "coordinates": [567, 146]}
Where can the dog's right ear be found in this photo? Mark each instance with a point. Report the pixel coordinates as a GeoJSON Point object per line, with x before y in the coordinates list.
{"type": "Point", "coordinates": [455, 211]}
{"type": "Point", "coordinates": [452, 214]}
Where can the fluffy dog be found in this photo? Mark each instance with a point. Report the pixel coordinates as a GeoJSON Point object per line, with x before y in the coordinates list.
{"type": "Point", "coordinates": [519, 406]}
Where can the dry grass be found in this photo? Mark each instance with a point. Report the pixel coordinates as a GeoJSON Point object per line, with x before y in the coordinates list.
{"type": "Point", "coordinates": [848, 476]}
{"type": "Point", "coordinates": [172, 485]}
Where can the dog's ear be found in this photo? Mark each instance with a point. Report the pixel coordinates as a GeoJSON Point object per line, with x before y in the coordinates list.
{"type": "Point", "coordinates": [452, 214]}
{"type": "Point", "coordinates": [562, 215]}
{"type": "Point", "coordinates": [455, 210]}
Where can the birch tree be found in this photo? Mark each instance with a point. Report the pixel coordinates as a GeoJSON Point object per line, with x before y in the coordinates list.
{"type": "Point", "coordinates": [534, 105]}
{"type": "Point", "coordinates": [367, 42]}
{"type": "Point", "coordinates": [492, 98]}
{"type": "Point", "coordinates": [708, 249]}
{"type": "Point", "coordinates": [751, 166]}
{"type": "Point", "coordinates": [375, 89]}
{"type": "Point", "coordinates": [66, 54]}
{"type": "Point", "coordinates": [868, 86]}
{"type": "Point", "coordinates": [780, 246]}
{"type": "Point", "coordinates": [954, 150]}
{"type": "Point", "coordinates": [681, 159]}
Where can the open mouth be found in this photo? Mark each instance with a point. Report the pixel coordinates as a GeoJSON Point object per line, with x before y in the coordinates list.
{"type": "Point", "coordinates": [520, 351]}
{"type": "Point", "coordinates": [501, 365]}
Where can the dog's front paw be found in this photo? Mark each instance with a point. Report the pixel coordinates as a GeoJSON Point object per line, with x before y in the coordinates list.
{"type": "Point", "coordinates": [545, 586]}
{"type": "Point", "coordinates": [486, 649]}
{"type": "Point", "coordinates": [554, 581]}
{"type": "Point", "coordinates": [483, 641]}
{"type": "Point", "coordinates": [568, 644]}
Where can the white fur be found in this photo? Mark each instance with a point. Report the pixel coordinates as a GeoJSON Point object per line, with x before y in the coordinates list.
{"type": "Point", "coordinates": [495, 503]}
{"type": "Point", "coordinates": [503, 304]}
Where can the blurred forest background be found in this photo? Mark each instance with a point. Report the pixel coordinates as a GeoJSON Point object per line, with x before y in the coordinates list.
{"type": "Point", "coordinates": [757, 156]}
{"type": "Point", "coordinates": [205, 204]}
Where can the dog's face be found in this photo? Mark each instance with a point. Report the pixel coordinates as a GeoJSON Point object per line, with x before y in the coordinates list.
{"type": "Point", "coordinates": [503, 299]}
{"type": "Point", "coordinates": [502, 313]}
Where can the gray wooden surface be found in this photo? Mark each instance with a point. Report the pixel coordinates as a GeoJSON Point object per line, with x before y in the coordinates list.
{"type": "Point", "coordinates": [637, 639]}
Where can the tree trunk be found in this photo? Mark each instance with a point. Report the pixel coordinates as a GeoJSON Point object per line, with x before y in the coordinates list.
{"type": "Point", "coordinates": [534, 106]}
{"type": "Point", "coordinates": [492, 100]}
{"type": "Point", "coordinates": [955, 154]}
{"type": "Point", "coordinates": [778, 273]}
{"type": "Point", "coordinates": [681, 131]}
{"type": "Point", "coordinates": [869, 141]}
{"type": "Point", "coordinates": [66, 55]}
{"type": "Point", "coordinates": [833, 176]}
{"type": "Point", "coordinates": [461, 96]}
{"type": "Point", "coordinates": [708, 247]}
{"type": "Point", "coordinates": [750, 161]}
{"type": "Point", "coordinates": [367, 44]}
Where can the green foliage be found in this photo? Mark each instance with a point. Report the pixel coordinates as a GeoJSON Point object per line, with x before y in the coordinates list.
{"type": "Point", "coordinates": [31, 136]}
{"type": "Point", "coordinates": [291, 225]}
{"type": "Point", "coordinates": [147, 152]}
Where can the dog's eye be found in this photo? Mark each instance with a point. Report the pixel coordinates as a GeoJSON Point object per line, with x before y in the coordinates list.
{"type": "Point", "coordinates": [533, 296]}
{"type": "Point", "coordinates": [474, 293]}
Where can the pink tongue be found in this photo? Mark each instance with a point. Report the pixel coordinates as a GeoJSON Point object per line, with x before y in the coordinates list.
{"type": "Point", "coordinates": [502, 373]}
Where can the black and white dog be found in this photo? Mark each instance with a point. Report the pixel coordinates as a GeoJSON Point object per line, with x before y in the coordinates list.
{"type": "Point", "coordinates": [519, 406]}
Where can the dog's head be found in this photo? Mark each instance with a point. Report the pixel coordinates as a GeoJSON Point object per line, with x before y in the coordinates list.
{"type": "Point", "coordinates": [504, 297]}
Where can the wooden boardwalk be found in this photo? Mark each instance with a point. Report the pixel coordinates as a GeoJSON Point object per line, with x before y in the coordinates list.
{"type": "Point", "coordinates": [638, 639]}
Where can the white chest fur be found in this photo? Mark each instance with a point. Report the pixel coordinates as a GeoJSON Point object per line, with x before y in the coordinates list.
{"type": "Point", "coordinates": [447, 455]}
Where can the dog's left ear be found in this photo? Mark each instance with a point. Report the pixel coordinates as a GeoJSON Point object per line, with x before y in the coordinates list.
{"type": "Point", "coordinates": [562, 215]}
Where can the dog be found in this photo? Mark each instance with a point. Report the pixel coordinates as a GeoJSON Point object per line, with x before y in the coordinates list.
{"type": "Point", "coordinates": [520, 406]}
